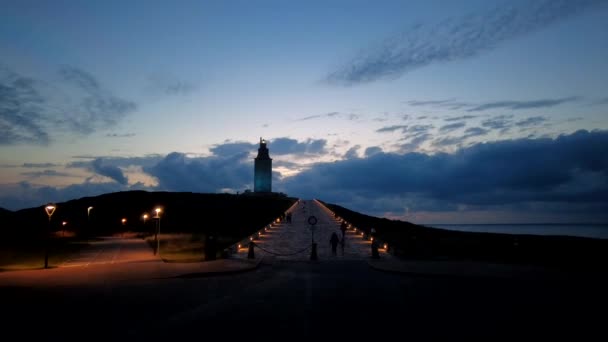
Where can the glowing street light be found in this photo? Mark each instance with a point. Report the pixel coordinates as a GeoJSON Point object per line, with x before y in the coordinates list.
{"type": "Point", "coordinates": [89, 219]}
{"type": "Point", "coordinates": [144, 217]}
{"type": "Point", "coordinates": [49, 209]}
{"type": "Point", "coordinates": [157, 233]}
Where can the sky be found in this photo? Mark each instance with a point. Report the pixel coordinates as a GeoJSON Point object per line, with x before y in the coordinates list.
{"type": "Point", "coordinates": [426, 111]}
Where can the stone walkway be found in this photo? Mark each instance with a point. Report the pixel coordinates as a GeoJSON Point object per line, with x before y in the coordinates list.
{"type": "Point", "coordinates": [286, 239]}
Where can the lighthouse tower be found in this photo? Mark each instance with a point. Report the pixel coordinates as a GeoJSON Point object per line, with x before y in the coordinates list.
{"type": "Point", "coordinates": [262, 170]}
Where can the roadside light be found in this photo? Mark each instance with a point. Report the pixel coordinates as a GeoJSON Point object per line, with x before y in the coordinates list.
{"type": "Point", "coordinates": [239, 246]}
{"type": "Point", "coordinates": [251, 238]}
{"type": "Point", "coordinates": [371, 239]}
{"type": "Point", "coordinates": [385, 246]}
{"type": "Point", "coordinates": [64, 223]}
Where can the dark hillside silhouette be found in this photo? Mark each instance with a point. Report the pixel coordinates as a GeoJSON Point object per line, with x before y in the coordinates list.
{"type": "Point", "coordinates": [415, 241]}
{"type": "Point", "coordinates": [232, 216]}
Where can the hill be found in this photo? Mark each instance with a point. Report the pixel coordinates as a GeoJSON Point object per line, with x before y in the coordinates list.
{"type": "Point", "coordinates": [234, 215]}
{"type": "Point", "coordinates": [414, 241]}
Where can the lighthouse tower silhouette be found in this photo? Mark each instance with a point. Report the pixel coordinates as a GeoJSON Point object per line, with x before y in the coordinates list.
{"type": "Point", "coordinates": [262, 181]}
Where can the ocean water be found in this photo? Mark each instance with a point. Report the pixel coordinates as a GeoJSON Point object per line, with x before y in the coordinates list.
{"type": "Point", "coordinates": [583, 230]}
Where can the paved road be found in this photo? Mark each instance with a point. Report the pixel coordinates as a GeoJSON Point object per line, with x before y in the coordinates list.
{"type": "Point", "coordinates": [110, 250]}
{"type": "Point", "coordinates": [340, 300]}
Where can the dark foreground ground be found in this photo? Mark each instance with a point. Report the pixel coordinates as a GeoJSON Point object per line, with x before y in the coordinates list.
{"type": "Point", "coordinates": [340, 301]}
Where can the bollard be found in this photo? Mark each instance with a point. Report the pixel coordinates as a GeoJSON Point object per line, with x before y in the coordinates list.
{"type": "Point", "coordinates": [313, 251]}
{"type": "Point", "coordinates": [250, 253]}
{"type": "Point", "coordinates": [375, 254]}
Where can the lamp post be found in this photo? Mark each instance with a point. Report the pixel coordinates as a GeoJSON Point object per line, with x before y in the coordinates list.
{"type": "Point", "coordinates": [63, 224]}
{"type": "Point", "coordinates": [88, 221]}
{"type": "Point", "coordinates": [50, 209]}
{"type": "Point", "coordinates": [157, 232]}
{"type": "Point", "coordinates": [124, 222]}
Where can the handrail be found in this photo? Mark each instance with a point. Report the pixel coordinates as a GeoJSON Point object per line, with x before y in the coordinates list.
{"type": "Point", "coordinates": [244, 243]}
{"type": "Point", "coordinates": [383, 246]}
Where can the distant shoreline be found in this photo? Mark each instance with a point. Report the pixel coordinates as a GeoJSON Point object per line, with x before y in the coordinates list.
{"type": "Point", "coordinates": [586, 230]}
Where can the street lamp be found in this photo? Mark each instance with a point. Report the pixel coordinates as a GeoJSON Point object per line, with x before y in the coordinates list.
{"type": "Point", "coordinates": [63, 224]}
{"type": "Point", "coordinates": [157, 232]}
{"type": "Point", "coordinates": [89, 221]}
{"type": "Point", "coordinates": [50, 209]}
{"type": "Point", "coordinates": [124, 222]}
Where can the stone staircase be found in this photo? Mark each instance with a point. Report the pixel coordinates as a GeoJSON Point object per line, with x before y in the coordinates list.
{"type": "Point", "coordinates": [292, 241]}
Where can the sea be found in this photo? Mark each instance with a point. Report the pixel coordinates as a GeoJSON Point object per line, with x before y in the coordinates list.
{"type": "Point", "coordinates": [599, 231]}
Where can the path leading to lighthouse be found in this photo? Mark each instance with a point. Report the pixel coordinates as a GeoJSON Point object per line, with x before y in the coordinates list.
{"type": "Point", "coordinates": [292, 241]}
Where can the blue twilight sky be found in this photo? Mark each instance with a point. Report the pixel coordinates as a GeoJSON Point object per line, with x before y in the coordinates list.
{"type": "Point", "coordinates": [428, 111]}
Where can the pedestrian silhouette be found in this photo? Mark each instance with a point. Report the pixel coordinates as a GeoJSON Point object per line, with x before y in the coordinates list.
{"type": "Point", "coordinates": [343, 229]}
{"type": "Point", "coordinates": [334, 242]}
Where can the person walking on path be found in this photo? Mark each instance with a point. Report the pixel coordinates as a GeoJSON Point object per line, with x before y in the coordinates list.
{"type": "Point", "coordinates": [334, 242]}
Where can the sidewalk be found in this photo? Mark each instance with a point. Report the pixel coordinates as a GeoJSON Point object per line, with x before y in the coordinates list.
{"type": "Point", "coordinates": [108, 274]}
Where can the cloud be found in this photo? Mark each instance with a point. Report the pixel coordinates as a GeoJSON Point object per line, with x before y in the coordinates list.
{"type": "Point", "coordinates": [475, 131]}
{"type": "Point", "coordinates": [177, 172]}
{"type": "Point", "coordinates": [117, 135]}
{"type": "Point", "coordinates": [318, 116]}
{"type": "Point", "coordinates": [459, 140]}
{"type": "Point", "coordinates": [100, 167]}
{"type": "Point", "coordinates": [46, 173]}
{"type": "Point", "coordinates": [31, 109]}
{"type": "Point", "coordinates": [39, 165]}
{"type": "Point", "coordinates": [568, 169]}
{"type": "Point", "coordinates": [352, 152]}
{"type": "Point", "coordinates": [27, 195]}
{"type": "Point", "coordinates": [228, 149]}
{"type": "Point", "coordinates": [348, 116]}
{"type": "Point", "coordinates": [170, 85]}
{"type": "Point", "coordinates": [282, 146]}
{"type": "Point", "coordinates": [22, 118]}
{"type": "Point", "coordinates": [451, 127]}
{"type": "Point", "coordinates": [500, 122]}
{"type": "Point", "coordinates": [392, 128]}
{"type": "Point", "coordinates": [531, 121]}
{"type": "Point", "coordinates": [414, 141]}
{"type": "Point", "coordinates": [460, 118]}
{"type": "Point", "coordinates": [447, 103]}
{"type": "Point", "coordinates": [517, 105]}
{"type": "Point", "coordinates": [455, 39]}
{"type": "Point", "coordinates": [370, 151]}
{"type": "Point", "coordinates": [97, 108]}
{"type": "Point", "coordinates": [123, 162]}
{"type": "Point", "coordinates": [419, 128]}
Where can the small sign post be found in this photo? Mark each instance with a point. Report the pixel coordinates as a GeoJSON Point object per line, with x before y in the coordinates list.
{"type": "Point", "coordinates": [313, 252]}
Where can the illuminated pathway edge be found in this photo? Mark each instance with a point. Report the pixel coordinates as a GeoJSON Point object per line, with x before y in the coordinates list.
{"type": "Point", "coordinates": [288, 238]}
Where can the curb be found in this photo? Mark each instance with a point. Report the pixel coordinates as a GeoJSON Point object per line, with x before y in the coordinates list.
{"type": "Point", "coordinates": [217, 273]}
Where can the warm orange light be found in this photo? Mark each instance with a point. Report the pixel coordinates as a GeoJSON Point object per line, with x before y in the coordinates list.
{"type": "Point", "coordinates": [239, 246]}
{"type": "Point", "coordinates": [124, 220]}
{"type": "Point", "coordinates": [372, 238]}
{"type": "Point", "coordinates": [385, 246]}
{"type": "Point", "coordinates": [251, 238]}
{"type": "Point", "coordinates": [145, 216]}
{"type": "Point", "coordinates": [64, 223]}
{"type": "Point", "coordinates": [50, 209]}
